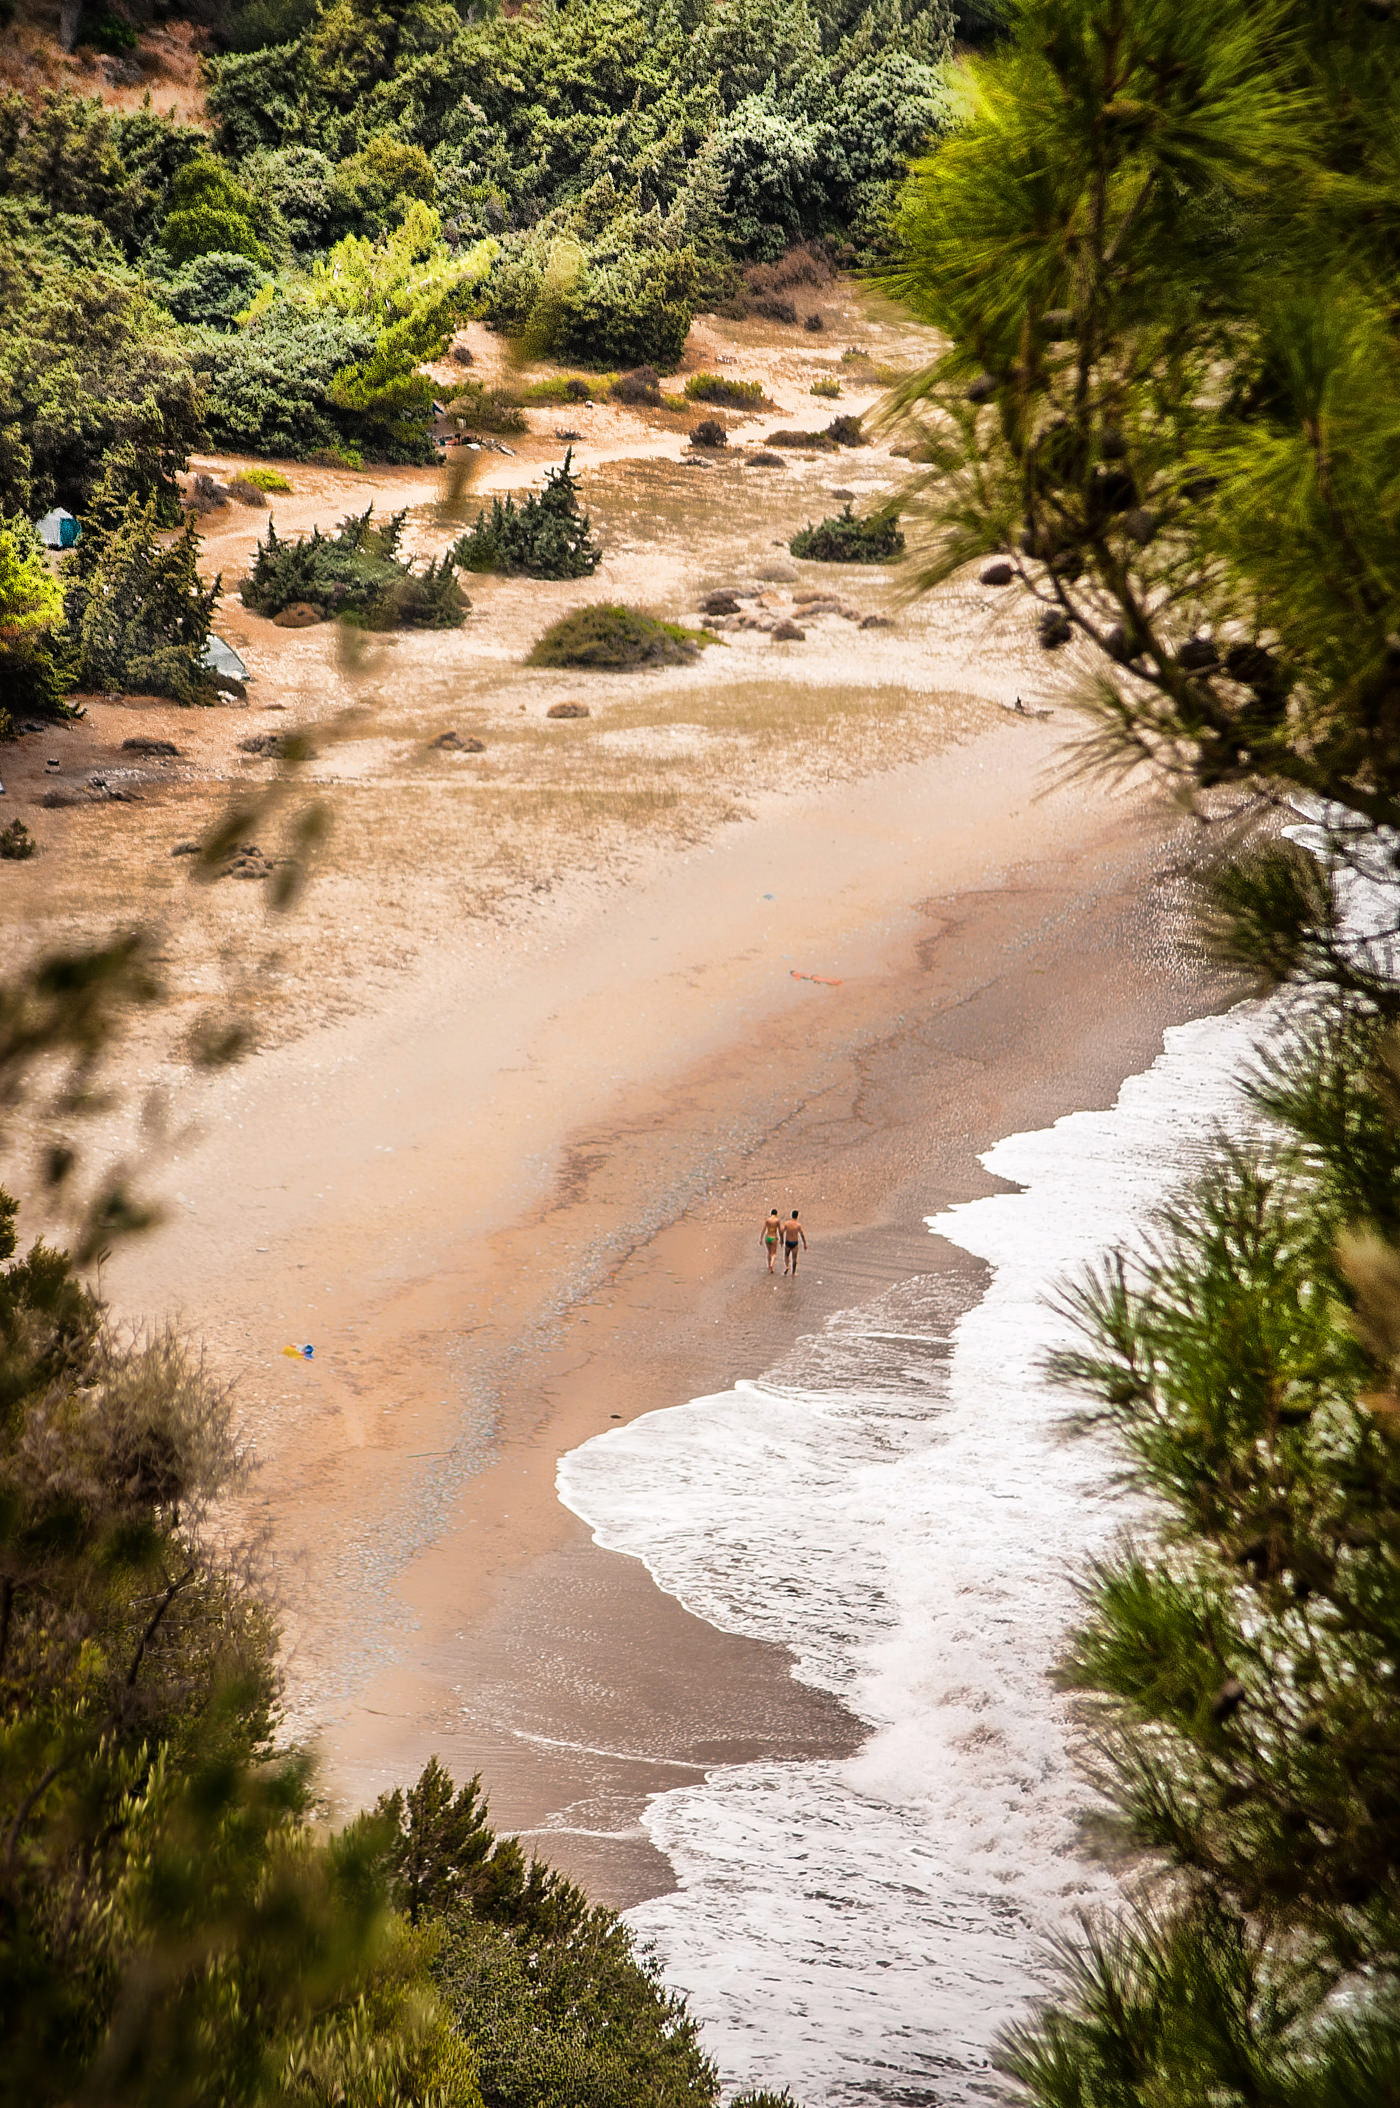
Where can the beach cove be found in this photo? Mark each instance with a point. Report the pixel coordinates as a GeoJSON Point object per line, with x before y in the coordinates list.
{"type": "Point", "coordinates": [810, 924]}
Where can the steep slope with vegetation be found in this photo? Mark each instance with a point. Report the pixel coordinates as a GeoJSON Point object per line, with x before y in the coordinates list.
{"type": "Point", "coordinates": [1164, 247]}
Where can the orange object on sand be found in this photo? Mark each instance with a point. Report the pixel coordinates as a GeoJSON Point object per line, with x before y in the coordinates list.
{"type": "Point", "coordinates": [824, 978]}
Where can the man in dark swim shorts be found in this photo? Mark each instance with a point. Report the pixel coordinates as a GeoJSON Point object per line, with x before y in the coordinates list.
{"type": "Point", "coordinates": [793, 1233]}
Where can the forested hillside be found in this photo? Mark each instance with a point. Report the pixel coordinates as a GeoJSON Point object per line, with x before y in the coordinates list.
{"type": "Point", "coordinates": [595, 171]}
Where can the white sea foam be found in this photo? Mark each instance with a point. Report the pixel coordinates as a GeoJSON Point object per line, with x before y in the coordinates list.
{"type": "Point", "coordinates": [906, 1518]}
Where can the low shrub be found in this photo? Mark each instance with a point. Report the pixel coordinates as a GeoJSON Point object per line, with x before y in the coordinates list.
{"type": "Point", "coordinates": [718, 388]}
{"type": "Point", "coordinates": [846, 431]}
{"type": "Point", "coordinates": [828, 388]}
{"type": "Point", "coordinates": [604, 637]}
{"type": "Point", "coordinates": [478, 409]}
{"type": "Point", "coordinates": [17, 844]}
{"type": "Point", "coordinates": [813, 324]}
{"type": "Point", "coordinates": [356, 573]}
{"type": "Point", "coordinates": [822, 441]}
{"type": "Point", "coordinates": [846, 540]}
{"type": "Point", "coordinates": [264, 478]}
{"type": "Point", "coordinates": [641, 385]}
{"type": "Point", "coordinates": [542, 537]}
{"type": "Point", "coordinates": [562, 388]}
{"type": "Point", "coordinates": [765, 289]}
{"type": "Point", "coordinates": [709, 432]}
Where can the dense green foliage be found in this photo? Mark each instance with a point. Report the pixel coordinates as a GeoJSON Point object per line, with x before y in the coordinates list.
{"type": "Point", "coordinates": [88, 363]}
{"type": "Point", "coordinates": [843, 539]}
{"type": "Point", "coordinates": [549, 1989]}
{"type": "Point", "coordinates": [604, 637]}
{"type": "Point", "coordinates": [137, 613]}
{"type": "Point", "coordinates": [36, 662]}
{"type": "Point", "coordinates": [356, 573]}
{"type": "Point", "coordinates": [210, 213]}
{"type": "Point", "coordinates": [625, 155]}
{"type": "Point", "coordinates": [1163, 248]}
{"type": "Point", "coordinates": [544, 536]}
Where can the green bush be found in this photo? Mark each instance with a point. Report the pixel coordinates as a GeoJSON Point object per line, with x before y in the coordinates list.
{"type": "Point", "coordinates": [621, 302]}
{"type": "Point", "coordinates": [718, 388]}
{"type": "Point", "coordinates": [825, 387]}
{"type": "Point", "coordinates": [210, 211]}
{"type": "Point", "coordinates": [88, 363]}
{"type": "Point", "coordinates": [550, 1991]}
{"type": "Point", "coordinates": [138, 613]}
{"type": "Point", "coordinates": [268, 386]}
{"type": "Point", "coordinates": [356, 573]}
{"type": "Point", "coordinates": [542, 537]}
{"type": "Point", "coordinates": [214, 289]}
{"type": "Point", "coordinates": [37, 665]}
{"type": "Point", "coordinates": [265, 478]}
{"type": "Point", "coordinates": [17, 844]}
{"type": "Point", "coordinates": [563, 388]}
{"type": "Point", "coordinates": [846, 540]}
{"type": "Point", "coordinates": [607, 636]}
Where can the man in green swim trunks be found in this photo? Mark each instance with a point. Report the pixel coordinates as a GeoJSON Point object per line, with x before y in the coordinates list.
{"type": "Point", "coordinates": [792, 1232]}
{"type": "Point", "coordinates": [770, 1233]}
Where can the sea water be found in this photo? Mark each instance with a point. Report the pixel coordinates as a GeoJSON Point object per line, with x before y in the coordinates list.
{"type": "Point", "coordinates": [902, 1508]}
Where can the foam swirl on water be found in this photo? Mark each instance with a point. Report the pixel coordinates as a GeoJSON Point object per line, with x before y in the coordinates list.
{"type": "Point", "coordinates": [906, 1518]}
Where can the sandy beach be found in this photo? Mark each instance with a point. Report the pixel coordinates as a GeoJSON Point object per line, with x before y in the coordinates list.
{"type": "Point", "coordinates": [543, 1043]}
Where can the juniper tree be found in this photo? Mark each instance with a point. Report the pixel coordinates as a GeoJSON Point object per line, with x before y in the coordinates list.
{"type": "Point", "coordinates": [544, 536]}
{"type": "Point", "coordinates": [1162, 248]}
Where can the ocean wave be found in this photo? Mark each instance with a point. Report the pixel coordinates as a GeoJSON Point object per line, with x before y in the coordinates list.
{"type": "Point", "coordinates": [900, 1507]}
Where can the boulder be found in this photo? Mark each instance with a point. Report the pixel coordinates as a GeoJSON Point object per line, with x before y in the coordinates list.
{"type": "Point", "coordinates": [300, 615]}
{"type": "Point", "coordinates": [1140, 524]}
{"type": "Point", "coordinates": [787, 632]}
{"type": "Point", "coordinates": [982, 389]}
{"type": "Point", "coordinates": [162, 747]}
{"type": "Point", "coordinates": [998, 574]}
{"type": "Point", "coordinates": [1053, 630]}
{"type": "Point", "coordinates": [766, 460]}
{"type": "Point", "coordinates": [453, 743]}
{"type": "Point", "coordinates": [568, 710]}
{"type": "Point", "coordinates": [877, 622]}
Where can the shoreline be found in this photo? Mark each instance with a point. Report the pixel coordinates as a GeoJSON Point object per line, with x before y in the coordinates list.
{"type": "Point", "coordinates": [660, 1077]}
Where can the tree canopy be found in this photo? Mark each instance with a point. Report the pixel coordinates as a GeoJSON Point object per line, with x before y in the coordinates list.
{"type": "Point", "coordinates": [1161, 242]}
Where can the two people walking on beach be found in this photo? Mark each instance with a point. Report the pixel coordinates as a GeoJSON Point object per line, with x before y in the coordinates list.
{"type": "Point", "coordinates": [790, 1234]}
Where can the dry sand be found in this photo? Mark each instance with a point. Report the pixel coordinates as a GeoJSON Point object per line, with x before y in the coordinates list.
{"type": "Point", "coordinates": [533, 1063]}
